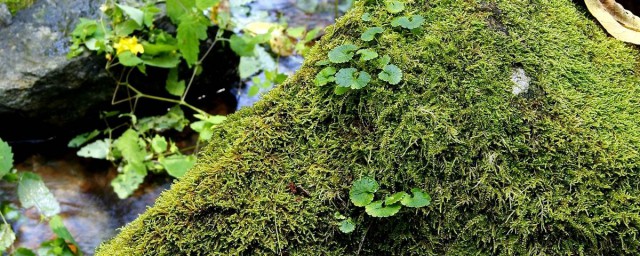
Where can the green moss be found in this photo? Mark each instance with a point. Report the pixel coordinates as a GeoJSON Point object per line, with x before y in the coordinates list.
{"type": "Point", "coordinates": [17, 5]}
{"type": "Point", "coordinates": [553, 171]}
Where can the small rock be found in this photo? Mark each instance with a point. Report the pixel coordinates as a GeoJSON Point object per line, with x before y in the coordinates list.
{"type": "Point", "coordinates": [520, 81]}
{"type": "Point", "coordinates": [5, 16]}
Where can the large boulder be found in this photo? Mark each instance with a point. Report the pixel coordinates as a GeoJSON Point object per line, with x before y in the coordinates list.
{"type": "Point", "coordinates": [40, 87]}
{"type": "Point", "coordinates": [520, 118]}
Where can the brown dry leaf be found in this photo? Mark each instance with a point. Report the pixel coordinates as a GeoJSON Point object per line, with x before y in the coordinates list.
{"type": "Point", "coordinates": [620, 23]}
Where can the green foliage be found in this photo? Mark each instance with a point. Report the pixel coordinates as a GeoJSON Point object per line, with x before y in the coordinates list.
{"type": "Point", "coordinates": [7, 236]}
{"type": "Point", "coordinates": [362, 191]}
{"type": "Point", "coordinates": [6, 158]}
{"type": "Point", "coordinates": [325, 76]}
{"type": "Point", "coordinates": [17, 5]}
{"type": "Point", "coordinates": [391, 74]}
{"type": "Point", "coordinates": [394, 6]}
{"type": "Point", "coordinates": [347, 226]}
{"type": "Point", "coordinates": [370, 33]}
{"type": "Point", "coordinates": [32, 192]}
{"type": "Point", "coordinates": [509, 174]}
{"type": "Point", "coordinates": [381, 209]}
{"type": "Point", "coordinates": [81, 139]}
{"type": "Point", "coordinates": [366, 16]}
{"type": "Point", "coordinates": [174, 86]}
{"type": "Point", "coordinates": [419, 199]}
{"type": "Point", "coordinates": [408, 22]}
{"type": "Point", "coordinates": [343, 53]}
{"type": "Point", "coordinates": [367, 54]}
{"type": "Point", "coordinates": [98, 149]}
{"type": "Point", "coordinates": [352, 78]}
{"type": "Point", "coordinates": [191, 29]}
{"type": "Point", "coordinates": [178, 165]}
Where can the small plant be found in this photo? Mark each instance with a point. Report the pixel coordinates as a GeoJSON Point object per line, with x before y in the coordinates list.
{"type": "Point", "coordinates": [363, 192]}
{"type": "Point", "coordinates": [32, 192]}
{"type": "Point", "coordinates": [349, 77]}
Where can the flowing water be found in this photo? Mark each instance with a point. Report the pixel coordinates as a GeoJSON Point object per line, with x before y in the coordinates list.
{"type": "Point", "coordinates": [90, 209]}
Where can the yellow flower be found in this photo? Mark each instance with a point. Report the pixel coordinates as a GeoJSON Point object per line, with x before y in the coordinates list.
{"type": "Point", "coordinates": [128, 44]}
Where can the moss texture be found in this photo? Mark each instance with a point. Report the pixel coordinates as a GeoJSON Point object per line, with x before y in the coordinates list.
{"type": "Point", "coordinates": [552, 171]}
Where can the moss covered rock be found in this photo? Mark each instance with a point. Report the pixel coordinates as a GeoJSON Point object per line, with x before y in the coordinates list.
{"type": "Point", "coordinates": [520, 118]}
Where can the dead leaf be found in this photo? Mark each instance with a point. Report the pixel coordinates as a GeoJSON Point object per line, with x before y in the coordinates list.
{"type": "Point", "coordinates": [620, 23]}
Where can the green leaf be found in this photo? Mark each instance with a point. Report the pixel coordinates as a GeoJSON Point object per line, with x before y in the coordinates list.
{"type": "Point", "coordinates": [174, 119]}
{"type": "Point", "coordinates": [391, 73]}
{"type": "Point", "coordinates": [412, 22]}
{"type": "Point", "coordinates": [81, 139]}
{"type": "Point", "coordinates": [339, 90]}
{"type": "Point", "coordinates": [325, 76]}
{"type": "Point", "coordinates": [254, 90]}
{"type": "Point", "coordinates": [150, 13]}
{"type": "Point", "coordinates": [57, 226]}
{"type": "Point", "coordinates": [419, 199]}
{"type": "Point", "coordinates": [367, 54]}
{"type": "Point", "coordinates": [126, 28]}
{"type": "Point", "coordinates": [177, 8]}
{"type": "Point", "coordinates": [296, 32]}
{"type": "Point", "coordinates": [85, 28]}
{"type": "Point", "coordinates": [206, 4]}
{"type": "Point", "coordinates": [178, 165]}
{"type": "Point", "coordinates": [339, 216]}
{"type": "Point", "coordinates": [370, 33]}
{"type": "Point", "coordinates": [129, 59]}
{"type": "Point", "coordinates": [168, 60]}
{"type": "Point", "coordinates": [159, 144]}
{"type": "Point", "coordinates": [350, 77]}
{"type": "Point", "coordinates": [33, 193]}
{"type": "Point", "coordinates": [394, 6]}
{"type": "Point", "coordinates": [242, 45]}
{"type": "Point", "coordinates": [322, 63]}
{"type": "Point", "coordinates": [174, 86]}
{"type": "Point", "coordinates": [23, 252]}
{"type": "Point", "coordinates": [158, 48]}
{"type": "Point", "coordinates": [366, 16]}
{"type": "Point", "coordinates": [126, 183]}
{"type": "Point", "coordinates": [98, 149]}
{"type": "Point", "coordinates": [347, 226]}
{"type": "Point", "coordinates": [192, 29]}
{"type": "Point", "coordinates": [394, 198]}
{"type": "Point", "coordinates": [383, 61]}
{"type": "Point", "coordinates": [248, 66]}
{"type": "Point", "coordinates": [342, 53]}
{"type": "Point", "coordinates": [377, 209]}
{"type": "Point", "coordinates": [134, 13]}
{"type": "Point", "coordinates": [6, 237]}
{"type": "Point", "coordinates": [6, 158]}
{"type": "Point", "coordinates": [362, 190]}
{"type": "Point", "coordinates": [129, 146]}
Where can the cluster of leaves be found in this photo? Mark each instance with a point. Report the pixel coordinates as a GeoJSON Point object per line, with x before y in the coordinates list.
{"type": "Point", "coordinates": [349, 77]}
{"type": "Point", "coordinates": [32, 192]}
{"type": "Point", "coordinates": [363, 192]}
{"type": "Point", "coordinates": [141, 148]}
{"type": "Point", "coordinates": [17, 5]}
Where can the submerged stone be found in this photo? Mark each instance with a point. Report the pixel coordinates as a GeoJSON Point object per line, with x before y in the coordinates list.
{"type": "Point", "coordinates": [553, 173]}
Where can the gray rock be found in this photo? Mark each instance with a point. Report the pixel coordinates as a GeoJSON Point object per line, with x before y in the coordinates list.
{"type": "Point", "coordinates": [38, 81]}
{"type": "Point", "coordinates": [5, 16]}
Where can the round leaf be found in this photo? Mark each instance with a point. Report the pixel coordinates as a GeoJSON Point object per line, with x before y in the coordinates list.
{"type": "Point", "coordinates": [361, 193]}
{"type": "Point", "coordinates": [367, 54]}
{"type": "Point", "coordinates": [33, 193]}
{"type": "Point", "coordinates": [412, 22]}
{"type": "Point", "coordinates": [178, 165]}
{"type": "Point", "coordinates": [396, 197]}
{"type": "Point", "coordinates": [342, 53]}
{"type": "Point", "coordinates": [370, 33]}
{"type": "Point", "coordinates": [7, 237]}
{"type": "Point", "coordinates": [394, 6]}
{"type": "Point", "coordinates": [379, 209]}
{"type": "Point", "coordinates": [325, 76]}
{"type": "Point", "coordinates": [391, 73]}
{"type": "Point", "coordinates": [419, 199]}
{"type": "Point", "coordinates": [350, 77]}
{"type": "Point", "coordinates": [347, 226]}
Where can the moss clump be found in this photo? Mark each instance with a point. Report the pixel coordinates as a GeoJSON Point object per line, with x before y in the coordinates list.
{"type": "Point", "coordinates": [550, 171]}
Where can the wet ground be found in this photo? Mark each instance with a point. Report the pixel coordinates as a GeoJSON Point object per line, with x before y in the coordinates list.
{"type": "Point", "coordinates": [90, 209]}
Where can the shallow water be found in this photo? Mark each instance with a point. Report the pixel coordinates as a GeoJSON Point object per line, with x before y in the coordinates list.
{"type": "Point", "coordinates": [90, 209]}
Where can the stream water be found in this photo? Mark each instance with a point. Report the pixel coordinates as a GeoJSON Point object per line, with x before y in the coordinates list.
{"type": "Point", "coordinates": [90, 209]}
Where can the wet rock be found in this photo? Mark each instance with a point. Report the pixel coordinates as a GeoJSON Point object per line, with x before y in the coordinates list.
{"type": "Point", "coordinates": [5, 16]}
{"type": "Point", "coordinates": [40, 86]}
